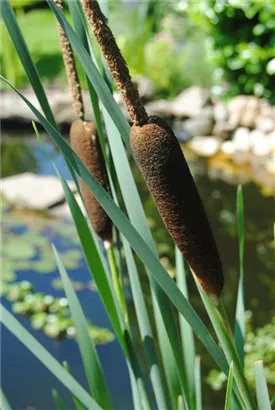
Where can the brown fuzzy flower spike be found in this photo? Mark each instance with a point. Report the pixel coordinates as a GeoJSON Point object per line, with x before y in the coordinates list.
{"type": "Point", "coordinates": [84, 141]}
{"type": "Point", "coordinates": [69, 63]}
{"type": "Point", "coordinates": [168, 177]}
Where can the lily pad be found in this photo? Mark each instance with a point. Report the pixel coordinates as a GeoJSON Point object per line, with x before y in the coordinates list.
{"type": "Point", "coordinates": [19, 249]}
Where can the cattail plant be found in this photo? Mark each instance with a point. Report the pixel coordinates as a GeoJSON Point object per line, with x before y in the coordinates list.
{"type": "Point", "coordinates": [164, 168]}
{"type": "Point", "coordinates": [84, 141]}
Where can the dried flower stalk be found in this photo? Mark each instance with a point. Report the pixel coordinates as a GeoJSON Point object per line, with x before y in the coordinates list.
{"type": "Point", "coordinates": [115, 61]}
{"type": "Point", "coordinates": [70, 67]}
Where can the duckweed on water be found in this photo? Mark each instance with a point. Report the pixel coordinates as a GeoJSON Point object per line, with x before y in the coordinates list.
{"type": "Point", "coordinates": [49, 314]}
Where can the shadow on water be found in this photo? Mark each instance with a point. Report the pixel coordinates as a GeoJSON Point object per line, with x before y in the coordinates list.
{"type": "Point", "coordinates": [23, 374]}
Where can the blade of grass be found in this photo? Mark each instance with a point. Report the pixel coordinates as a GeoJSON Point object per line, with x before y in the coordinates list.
{"type": "Point", "coordinates": [239, 330]}
{"type": "Point", "coordinates": [261, 386]}
{"type": "Point", "coordinates": [93, 260]}
{"type": "Point", "coordinates": [95, 263]}
{"type": "Point", "coordinates": [197, 376]}
{"type": "Point", "coordinates": [181, 405]}
{"type": "Point", "coordinates": [9, 18]}
{"type": "Point", "coordinates": [77, 403]}
{"type": "Point", "coordinates": [225, 338]}
{"type": "Point", "coordinates": [229, 387]}
{"type": "Point", "coordinates": [135, 240]}
{"type": "Point", "coordinates": [58, 401]}
{"type": "Point", "coordinates": [3, 401]}
{"type": "Point", "coordinates": [186, 332]}
{"type": "Point", "coordinates": [145, 330]}
{"type": "Point", "coordinates": [47, 359]}
{"type": "Point", "coordinates": [90, 359]}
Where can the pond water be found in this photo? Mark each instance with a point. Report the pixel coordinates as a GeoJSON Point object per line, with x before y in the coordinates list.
{"type": "Point", "coordinates": [24, 374]}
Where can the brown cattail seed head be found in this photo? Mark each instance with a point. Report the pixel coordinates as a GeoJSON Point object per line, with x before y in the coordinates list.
{"type": "Point", "coordinates": [85, 143]}
{"type": "Point", "coordinates": [168, 177]}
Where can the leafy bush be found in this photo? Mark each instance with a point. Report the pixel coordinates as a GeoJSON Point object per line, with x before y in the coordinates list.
{"type": "Point", "coordinates": [243, 41]}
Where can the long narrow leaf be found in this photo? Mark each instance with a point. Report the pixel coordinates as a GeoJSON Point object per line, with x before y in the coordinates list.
{"type": "Point", "coordinates": [4, 404]}
{"type": "Point", "coordinates": [25, 57]}
{"type": "Point", "coordinates": [93, 259]}
{"type": "Point", "coordinates": [225, 338]}
{"type": "Point", "coordinates": [240, 310]}
{"type": "Point", "coordinates": [87, 348]}
{"type": "Point", "coordinates": [77, 403]}
{"type": "Point", "coordinates": [58, 401]}
{"type": "Point", "coordinates": [197, 376]}
{"type": "Point", "coordinates": [136, 241]}
{"type": "Point", "coordinates": [186, 332]}
{"type": "Point", "coordinates": [229, 388]}
{"type": "Point", "coordinates": [145, 330]}
{"type": "Point", "coordinates": [95, 264]}
{"type": "Point", "coordinates": [47, 359]}
{"type": "Point", "coordinates": [261, 386]}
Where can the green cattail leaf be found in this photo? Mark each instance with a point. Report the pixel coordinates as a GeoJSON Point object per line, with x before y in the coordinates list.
{"type": "Point", "coordinates": [47, 359]}
{"type": "Point", "coordinates": [226, 341]}
{"type": "Point", "coordinates": [197, 373]}
{"type": "Point", "coordinates": [58, 401]}
{"type": "Point", "coordinates": [229, 388]}
{"type": "Point", "coordinates": [4, 404]}
{"type": "Point", "coordinates": [10, 21]}
{"type": "Point", "coordinates": [77, 403]}
{"type": "Point", "coordinates": [187, 336]}
{"type": "Point", "coordinates": [86, 345]}
{"type": "Point", "coordinates": [96, 266]}
{"type": "Point", "coordinates": [145, 330]}
{"type": "Point", "coordinates": [261, 386]}
{"type": "Point", "coordinates": [240, 310]}
{"type": "Point", "coordinates": [93, 259]}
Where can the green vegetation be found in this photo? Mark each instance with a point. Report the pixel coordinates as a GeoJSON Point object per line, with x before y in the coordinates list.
{"type": "Point", "coordinates": [48, 313]}
{"type": "Point", "coordinates": [259, 344]}
{"type": "Point", "coordinates": [167, 354]}
{"type": "Point", "coordinates": [243, 36]}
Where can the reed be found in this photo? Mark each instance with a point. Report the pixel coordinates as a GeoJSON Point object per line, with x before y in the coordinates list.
{"type": "Point", "coordinates": [163, 167]}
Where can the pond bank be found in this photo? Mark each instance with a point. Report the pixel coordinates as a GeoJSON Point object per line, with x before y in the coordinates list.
{"type": "Point", "coordinates": [237, 138]}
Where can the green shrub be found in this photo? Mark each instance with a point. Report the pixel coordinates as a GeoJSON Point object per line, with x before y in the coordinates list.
{"type": "Point", "coordinates": [243, 40]}
{"type": "Point", "coordinates": [168, 48]}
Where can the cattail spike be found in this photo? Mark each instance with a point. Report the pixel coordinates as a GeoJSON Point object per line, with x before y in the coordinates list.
{"type": "Point", "coordinates": [168, 177]}
{"type": "Point", "coordinates": [70, 67]}
{"type": "Point", "coordinates": [85, 143]}
{"type": "Point", "coordinates": [115, 62]}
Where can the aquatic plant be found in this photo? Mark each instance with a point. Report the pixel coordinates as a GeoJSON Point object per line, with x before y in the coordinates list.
{"type": "Point", "coordinates": [169, 351]}
{"type": "Point", "coordinates": [48, 313]}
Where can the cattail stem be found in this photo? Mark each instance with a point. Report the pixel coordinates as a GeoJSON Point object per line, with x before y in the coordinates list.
{"type": "Point", "coordinates": [117, 284]}
{"type": "Point", "coordinates": [115, 61]}
{"type": "Point", "coordinates": [70, 67]}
